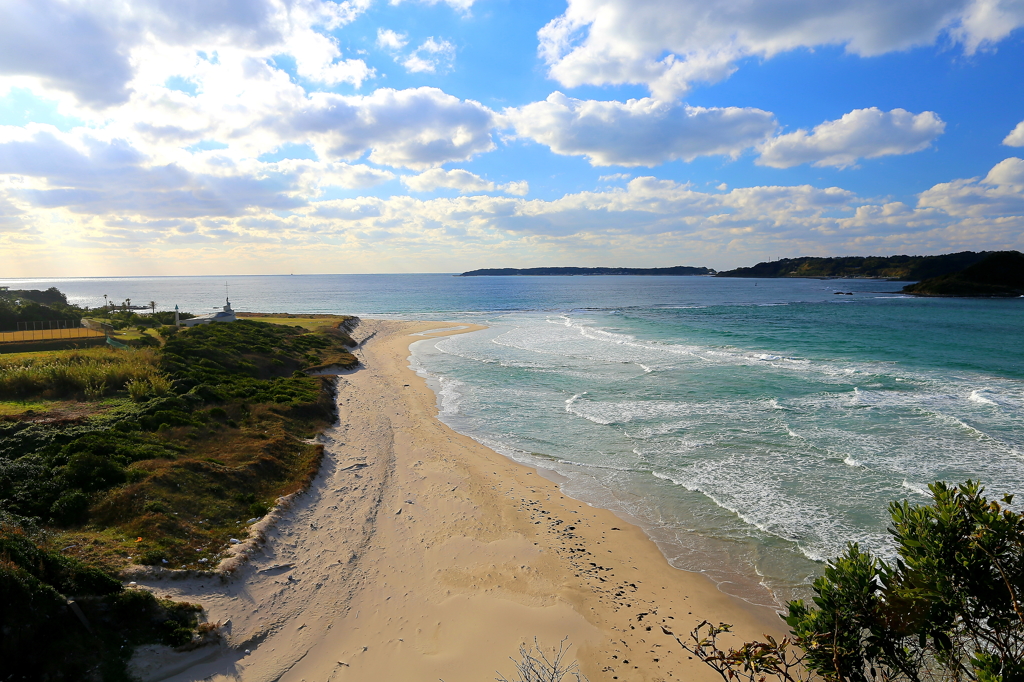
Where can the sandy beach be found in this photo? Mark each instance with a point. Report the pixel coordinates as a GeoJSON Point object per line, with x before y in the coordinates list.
{"type": "Point", "coordinates": [419, 554]}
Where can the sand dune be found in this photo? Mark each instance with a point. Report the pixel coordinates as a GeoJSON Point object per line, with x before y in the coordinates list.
{"type": "Point", "coordinates": [419, 554]}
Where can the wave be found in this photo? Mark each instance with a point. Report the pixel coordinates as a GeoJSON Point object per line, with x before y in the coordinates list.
{"type": "Point", "coordinates": [774, 468]}
{"type": "Point", "coordinates": [812, 529]}
{"type": "Point", "coordinates": [979, 397]}
{"type": "Point", "coordinates": [449, 395]}
{"type": "Point", "coordinates": [916, 488]}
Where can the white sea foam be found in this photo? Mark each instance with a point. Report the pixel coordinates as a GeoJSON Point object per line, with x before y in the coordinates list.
{"type": "Point", "coordinates": [917, 488]}
{"type": "Point", "coordinates": [979, 396]}
{"type": "Point", "coordinates": [450, 396]}
{"type": "Point", "coordinates": [772, 471]}
{"type": "Point", "coordinates": [812, 528]}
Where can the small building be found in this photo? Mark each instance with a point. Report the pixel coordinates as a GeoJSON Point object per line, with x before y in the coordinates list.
{"type": "Point", "coordinates": [225, 315]}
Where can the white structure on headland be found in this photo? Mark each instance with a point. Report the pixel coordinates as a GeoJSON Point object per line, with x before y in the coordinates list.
{"type": "Point", "coordinates": [226, 315]}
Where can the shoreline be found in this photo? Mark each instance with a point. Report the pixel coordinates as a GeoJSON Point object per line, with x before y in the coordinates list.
{"type": "Point", "coordinates": [419, 554]}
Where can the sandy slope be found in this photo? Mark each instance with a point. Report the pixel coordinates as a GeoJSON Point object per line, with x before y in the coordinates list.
{"type": "Point", "coordinates": [419, 554]}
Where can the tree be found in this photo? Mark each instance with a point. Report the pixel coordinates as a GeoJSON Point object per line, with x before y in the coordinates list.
{"type": "Point", "coordinates": [948, 608]}
{"type": "Point", "coordinates": [152, 306]}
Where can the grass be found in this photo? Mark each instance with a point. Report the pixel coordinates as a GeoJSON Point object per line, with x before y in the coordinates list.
{"type": "Point", "coordinates": [10, 408]}
{"type": "Point", "coordinates": [310, 322]}
{"type": "Point", "coordinates": [89, 373]}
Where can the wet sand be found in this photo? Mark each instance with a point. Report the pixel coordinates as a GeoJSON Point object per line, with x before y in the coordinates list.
{"type": "Point", "coordinates": [419, 554]}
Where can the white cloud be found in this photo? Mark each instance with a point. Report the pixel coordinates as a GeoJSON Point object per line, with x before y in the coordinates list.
{"type": "Point", "coordinates": [642, 132]}
{"type": "Point", "coordinates": [391, 40]}
{"type": "Point", "coordinates": [1016, 136]}
{"type": "Point", "coordinates": [416, 128]}
{"type": "Point", "coordinates": [461, 180]}
{"type": "Point", "coordinates": [862, 133]}
{"type": "Point", "coordinates": [430, 55]}
{"type": "Point", "coordinates": [1000, 193]}
{"type": "Point", "coordinates": [460, 5]}
{"type": "Point", "coordinates": [94, 49]}
{"type": "Point", "coordinates": [92, 175]}
{"type": "Point", "coordinates": [670, 44]}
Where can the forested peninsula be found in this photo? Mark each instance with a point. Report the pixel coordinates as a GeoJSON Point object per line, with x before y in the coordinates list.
{"type": "Point", "coordinates": [999, 274]}
{"type": "Point", "coordinates": [872, 267]}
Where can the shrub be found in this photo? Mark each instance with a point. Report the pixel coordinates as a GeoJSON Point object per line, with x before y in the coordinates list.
{"type": "Point", "coordinates": [91, 372]}
{"type": "Point", "coordinates": [70, 509]}
{"type": "Point", "coordinates": [950, 606]}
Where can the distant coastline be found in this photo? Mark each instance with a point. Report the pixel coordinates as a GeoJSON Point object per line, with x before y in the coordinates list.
{"type": "Point", "coordinates": [892, 268]}
{"type": "Point", "coordinates": [901, 267]}
{"type": "Point", "coordinates": [675, 271]}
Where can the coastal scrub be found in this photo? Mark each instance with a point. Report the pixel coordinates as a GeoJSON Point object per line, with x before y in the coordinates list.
{"type": "Point", "coordinates": [146, 456]}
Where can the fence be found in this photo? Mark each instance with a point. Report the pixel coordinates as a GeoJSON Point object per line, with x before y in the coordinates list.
{"type": "Point", "coordinates": [49, 330]}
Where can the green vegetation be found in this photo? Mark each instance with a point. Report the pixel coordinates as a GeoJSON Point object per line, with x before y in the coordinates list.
{"type": "Point", "coordinates": [129, 319]}
{"type": "Point", "coordinates": [33, 305]}
{"type": "Point", "coordinates": [90, 373]}
{"type": "Point", "coordinates": [999, 274]}
{"type": "Point", "coordinates": [949, 608]}
{"type": "Point", "coordinates": [882, 267]}
{"type": "Point", "coordinates": [153, 456]}
{"type": "Point", "coordinates": [44, 638]}
{"type": "Point", "coordinates": [313, 322]}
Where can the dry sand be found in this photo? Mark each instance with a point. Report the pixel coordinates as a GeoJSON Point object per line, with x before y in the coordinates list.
{"type": "Point", "coordinates": [420, 555]}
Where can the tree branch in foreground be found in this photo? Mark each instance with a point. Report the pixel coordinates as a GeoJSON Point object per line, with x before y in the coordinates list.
{"type": "Point", "coordinates": [539, 667]}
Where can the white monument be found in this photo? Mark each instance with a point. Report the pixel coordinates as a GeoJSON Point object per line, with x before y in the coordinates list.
{"type": "Point", "coordinates": [225, 315]}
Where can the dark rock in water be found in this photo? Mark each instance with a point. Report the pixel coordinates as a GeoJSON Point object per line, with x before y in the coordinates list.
{"type": "Point", "coordinates": [999, 274]}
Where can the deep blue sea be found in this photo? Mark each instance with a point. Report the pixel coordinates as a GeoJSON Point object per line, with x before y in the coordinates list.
{"type": "Point", "coordinates": [752, 427]}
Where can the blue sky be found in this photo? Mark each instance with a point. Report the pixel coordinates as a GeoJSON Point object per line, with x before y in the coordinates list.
{"type": "Point", "coordinates": [269, 136]}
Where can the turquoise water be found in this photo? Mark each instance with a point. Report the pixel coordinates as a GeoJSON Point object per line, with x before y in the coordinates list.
{"type": "Point", "coordinates": [753, 427]}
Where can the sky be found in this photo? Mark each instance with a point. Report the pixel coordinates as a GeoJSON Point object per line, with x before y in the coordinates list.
{"type": "Point", "coordinates": [200, 137]}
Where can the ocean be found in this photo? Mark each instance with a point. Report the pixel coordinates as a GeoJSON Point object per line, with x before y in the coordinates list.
{"type": "Point", "coordinates": [751, 427]}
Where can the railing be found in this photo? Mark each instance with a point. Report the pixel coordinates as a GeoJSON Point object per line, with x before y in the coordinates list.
{"type": "Point", "coordinates": [46, 330]}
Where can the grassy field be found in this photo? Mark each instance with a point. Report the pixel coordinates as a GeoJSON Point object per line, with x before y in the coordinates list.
{"type": "Point", "coordinates": [310, 322]}
{"type": "Point", "coordinates": [10, 408]}
{"type": "Point", "coordinates": [151, 455]}
{"type": "Point", "coordinates": [89, 374]}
